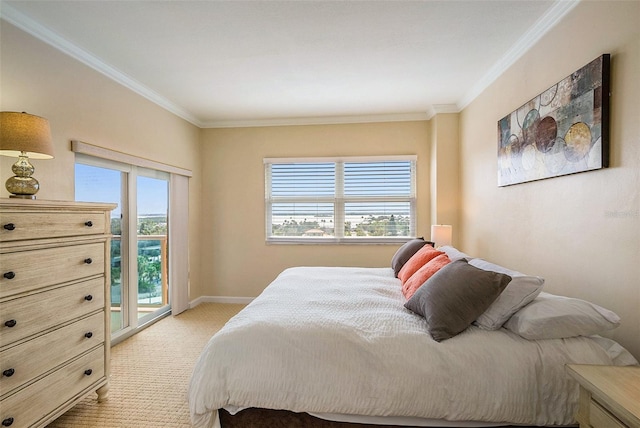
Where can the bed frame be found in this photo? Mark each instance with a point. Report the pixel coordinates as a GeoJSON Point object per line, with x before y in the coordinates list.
{"type": "Point", "coordinates": [261, 418]}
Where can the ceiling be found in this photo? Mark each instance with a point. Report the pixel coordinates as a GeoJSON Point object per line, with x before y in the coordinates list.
{"type": "Point", "coordinates": [251, 63]}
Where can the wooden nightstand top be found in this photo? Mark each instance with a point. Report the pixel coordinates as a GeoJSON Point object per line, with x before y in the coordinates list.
{"type": "Point", "coordinates": [615, 387]}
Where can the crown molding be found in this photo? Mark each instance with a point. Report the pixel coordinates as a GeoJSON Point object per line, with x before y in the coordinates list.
{"type": "Point", "coordinates": [14, 17]}
{"type": "Point", "coordinates": [557, 11]}
{"type": "Point", "coordinates": [322, 120]}
{"type": "Point", "coordinates": [545, 23]}
{"type": "Point", "coordinates": [445, 108]}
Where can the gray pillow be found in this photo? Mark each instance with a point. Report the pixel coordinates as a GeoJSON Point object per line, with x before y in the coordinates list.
{"type": "Point", "coordinates": [405, 252]}
{"type": "Point", "coordinates": [455, 296]}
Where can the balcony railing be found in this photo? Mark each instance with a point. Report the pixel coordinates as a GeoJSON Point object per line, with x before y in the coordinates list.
{"type": "Point", "coordinates": [153, 291]}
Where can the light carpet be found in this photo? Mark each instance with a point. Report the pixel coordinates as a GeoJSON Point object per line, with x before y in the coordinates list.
{"type": "Point", "coordinates": [150, 373]}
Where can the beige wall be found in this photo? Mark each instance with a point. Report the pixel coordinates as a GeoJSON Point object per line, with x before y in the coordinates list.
{"type": "Point", "coordinates": [445, 172]}
{"type": "Point", "coordinates": [84, 105]}
{"type": "Point", "coordinates": [580, 232]}
{"type": "Point", "coordinates": [236, 261]}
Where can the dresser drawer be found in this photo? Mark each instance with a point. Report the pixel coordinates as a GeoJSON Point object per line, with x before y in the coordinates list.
{"type": "Point", "coordinates": [16, 225]}
{"type": "Point", "coordinates": [29, 270]}
{"type": "Point", "coordinates": [40, 311]}
{"type": "Point", "coordinates": [23, 363]}
{"type": "Point", "coordinates": [33, 403]}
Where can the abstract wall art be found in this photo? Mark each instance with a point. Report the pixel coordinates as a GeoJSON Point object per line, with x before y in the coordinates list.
{"type": "Point", "coordinates": [564, 130]}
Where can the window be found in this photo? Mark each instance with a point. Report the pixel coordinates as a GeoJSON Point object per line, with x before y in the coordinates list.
{"type": "Point", "coordinates": [340, 199]}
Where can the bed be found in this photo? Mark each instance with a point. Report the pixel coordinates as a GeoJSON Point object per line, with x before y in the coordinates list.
{"type": "Point", "coordinates": [338, 343]}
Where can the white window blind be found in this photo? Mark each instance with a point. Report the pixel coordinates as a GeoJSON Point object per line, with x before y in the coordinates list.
{"type": "Point", "coordinates": [340, 199]}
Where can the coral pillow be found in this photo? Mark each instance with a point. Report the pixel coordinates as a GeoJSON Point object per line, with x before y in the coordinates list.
{"type": "Point", "coordinates": [419, 259]}
{"type": "Point", "coordinates": [424, 273]}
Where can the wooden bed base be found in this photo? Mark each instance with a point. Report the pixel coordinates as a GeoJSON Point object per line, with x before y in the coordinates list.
{"type": "Point", "coordinates": [267, 418]}
{"type": "Point", "coordinates": [263, 418]}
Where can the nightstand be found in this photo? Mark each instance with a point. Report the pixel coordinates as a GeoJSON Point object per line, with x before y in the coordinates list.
{"type": "Point", "coordinates": [609, 395]}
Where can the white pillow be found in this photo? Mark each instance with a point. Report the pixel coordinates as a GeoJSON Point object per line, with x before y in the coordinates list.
{"type": "Point", "coordinates": [556, 317]}
{"type": "Point", "coordinates": [521, 290]}
{"type": "Point", "coordinates": [453, 253]}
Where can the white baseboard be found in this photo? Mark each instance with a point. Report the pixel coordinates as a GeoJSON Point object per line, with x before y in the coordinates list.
{"type": "Point", "coordinates": [220, 299]}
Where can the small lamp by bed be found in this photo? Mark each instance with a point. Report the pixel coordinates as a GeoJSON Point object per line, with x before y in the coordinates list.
{"type": "Point", "coordinates": [441, 234]}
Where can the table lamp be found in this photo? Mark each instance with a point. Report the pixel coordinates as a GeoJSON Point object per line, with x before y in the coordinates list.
{"type": "Point", "coordinates": [441, 234]}
{"type": "Point", "coordinates": [24, 136]}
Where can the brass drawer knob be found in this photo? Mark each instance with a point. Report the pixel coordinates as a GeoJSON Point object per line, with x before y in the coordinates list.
{"type": "Point", "coordinates": [9, 226]}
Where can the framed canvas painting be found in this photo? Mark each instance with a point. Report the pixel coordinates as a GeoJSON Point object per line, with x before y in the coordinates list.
{"type": "Point", "coordinates": [564, 130]}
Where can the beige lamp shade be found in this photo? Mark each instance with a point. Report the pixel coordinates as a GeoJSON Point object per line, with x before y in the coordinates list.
{"type": "Point", "coordinates": [441, 234]}
{"type": "Point", "coordinates": [23, 132]}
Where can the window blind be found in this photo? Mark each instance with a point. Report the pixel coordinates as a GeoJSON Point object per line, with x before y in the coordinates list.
{"type": "Point", "coordinates": [340, 200]}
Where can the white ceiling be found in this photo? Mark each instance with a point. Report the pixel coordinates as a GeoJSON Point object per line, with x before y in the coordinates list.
{"type": "Point", "coordinates": [247, 63]}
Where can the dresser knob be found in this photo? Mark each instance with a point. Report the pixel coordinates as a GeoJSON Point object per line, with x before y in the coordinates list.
{"type": "Point", "coordinates": [9, 275]}
{"type": "Point", "coordinates": [88, 223]}
{"type": "Point", "coordinates": [88, 372]}
{"type": "Point", "coordinates": [88, 297]}
{"type": "Point", "coordinates": [88, 261]}
{"type": "Point", "coordinates": [7, 422]}
{"type": "Point", "coordinates": [11, 323]}
{"type": "Point", "coordinates": [9, 226]}
{"type": "Point", "coordinates": [8, 372]}
{"type": "Point", "coordinates": [88, 335]}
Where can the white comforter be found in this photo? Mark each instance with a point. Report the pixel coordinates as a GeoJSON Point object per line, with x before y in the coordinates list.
{"type": "Point", "coordinates": [339, 340]}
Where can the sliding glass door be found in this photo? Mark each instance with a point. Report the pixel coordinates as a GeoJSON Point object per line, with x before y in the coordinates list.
{"type": "Point", "coordinates": [139, 250]}
{"type": "Point", "coordinates": [96, 184]}
{"type": "Point", "coordinates": [151, 247]}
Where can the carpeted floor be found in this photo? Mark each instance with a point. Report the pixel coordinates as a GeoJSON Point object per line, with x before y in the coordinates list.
{"type": "Point", "coordinates": [150, 373]}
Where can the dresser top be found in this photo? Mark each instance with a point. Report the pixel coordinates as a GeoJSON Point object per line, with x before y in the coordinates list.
{"type": "Point", "coordinates": [35, 204]}
{"type": "Point", "coordinates": [617, 387]}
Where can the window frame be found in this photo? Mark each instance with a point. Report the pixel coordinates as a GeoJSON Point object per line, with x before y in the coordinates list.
{"type": "Point", "coordinates": [339, 200]}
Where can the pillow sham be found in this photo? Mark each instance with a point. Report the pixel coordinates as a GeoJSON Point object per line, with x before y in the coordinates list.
{"type": "Point", "coordinates": [404, 253]}
{"type": "Point", "coordinates": [453, 253]}
{"type": "Point", "coordinates": [419, 259]}
{"type": "Point", "coordinates": [455, 296]}
{"type": "Point", "coordinates": [557, 317]}
{"type": "Point", "coordinates": [521, 290]}
{"type": "Point", "coordinates": [424, 273]}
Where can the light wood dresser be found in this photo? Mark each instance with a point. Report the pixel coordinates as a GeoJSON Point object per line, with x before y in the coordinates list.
{"type": "Point", "coordinates": [609, 395]}
{"type": "Point", "coordinates": [54, 307]}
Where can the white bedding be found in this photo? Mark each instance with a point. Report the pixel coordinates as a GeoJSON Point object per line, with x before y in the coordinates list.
{"type": "Point", "coordinates": [339, 340]}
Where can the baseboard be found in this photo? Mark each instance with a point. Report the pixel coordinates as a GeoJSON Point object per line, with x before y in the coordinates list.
{"type": "Point", "coordinates": [220, 299]}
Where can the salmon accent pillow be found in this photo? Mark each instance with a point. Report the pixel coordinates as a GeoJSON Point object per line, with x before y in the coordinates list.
{"type": "Point", "coordinates": [419, 259]}
{"type": "Point", "coordinates": [424, 273]}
